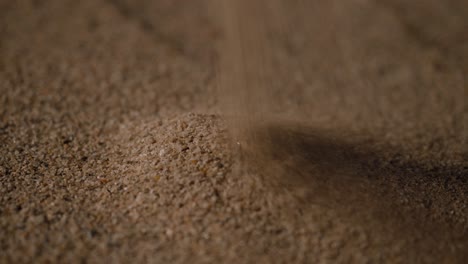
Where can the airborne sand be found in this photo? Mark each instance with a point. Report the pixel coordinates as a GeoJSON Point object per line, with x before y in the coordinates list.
{"type": "Point", "coordinates": [114, 144]}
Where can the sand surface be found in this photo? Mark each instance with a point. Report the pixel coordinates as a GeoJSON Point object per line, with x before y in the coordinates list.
{"type": "Point", "coordinates": [114, 146]}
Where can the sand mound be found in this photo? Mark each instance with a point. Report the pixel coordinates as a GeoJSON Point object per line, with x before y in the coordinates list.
{"type": "Point", "coordinates": [100, 161]}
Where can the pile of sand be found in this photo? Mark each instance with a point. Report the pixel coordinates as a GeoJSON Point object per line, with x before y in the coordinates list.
{"type": "Point", "coordinates": [113, 148]}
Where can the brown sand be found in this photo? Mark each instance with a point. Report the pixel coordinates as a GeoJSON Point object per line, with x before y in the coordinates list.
{"type": "Point", "coordinates": [102, 158]}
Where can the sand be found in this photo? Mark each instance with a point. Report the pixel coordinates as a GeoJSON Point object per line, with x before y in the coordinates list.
{"type": "Point", "coordinates": [115, 145]}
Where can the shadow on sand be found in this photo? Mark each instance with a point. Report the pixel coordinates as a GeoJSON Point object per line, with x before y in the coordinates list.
{"type": "Point", "coordinates": [365, 182]}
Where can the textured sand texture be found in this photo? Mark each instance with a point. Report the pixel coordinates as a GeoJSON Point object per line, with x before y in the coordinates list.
{"type": "Point", "coordinates": [118, 145]}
